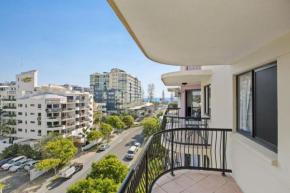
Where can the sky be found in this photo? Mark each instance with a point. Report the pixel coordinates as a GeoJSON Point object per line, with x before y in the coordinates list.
{"type": "Point", "coordinates": [66, 41]}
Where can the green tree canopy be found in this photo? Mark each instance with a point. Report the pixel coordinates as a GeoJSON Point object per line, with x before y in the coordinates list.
{"type": "Point", "coordinates": [94, 186]}
{"type": "Point", "coordinates": [10, 151]}
{"type": "Point", "coordinates": [109, 167]}
{"type": "Point", "coordinates": [106, 129]}
{"type": "Point", "coordinates": [47, 164]}
{"type": "Point", "coordinates": [128, 120]}
{"type": "Point", "coordinates": [121, 125]}
{"type": "Point", "coordinates": [94, 135]}
{"type": "Point", "coordinates": [150, 126]}
{"type": "Point", "coordinates": [97, 117]}
{"type": "Point", "coordinates": [113, 120]}
{"type": "Point", "coordinates": [63, 149]}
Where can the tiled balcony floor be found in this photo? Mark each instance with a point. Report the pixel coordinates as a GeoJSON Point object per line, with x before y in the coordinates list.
{"type": "Point", "coordinates": [193, 181]}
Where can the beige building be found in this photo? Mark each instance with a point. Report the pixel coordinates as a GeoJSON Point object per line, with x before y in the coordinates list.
{"type": "Point", "coordinates": [115, 88]}
{"type": "Point", "coordinates": [243, 48]}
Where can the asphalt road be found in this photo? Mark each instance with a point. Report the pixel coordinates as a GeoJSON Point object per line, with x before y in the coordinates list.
{"type": "Point", "coordinates": [119, 147]}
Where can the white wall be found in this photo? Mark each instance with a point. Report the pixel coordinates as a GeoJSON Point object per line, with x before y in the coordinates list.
{"type": "Point", "coordinates": [255, 168]}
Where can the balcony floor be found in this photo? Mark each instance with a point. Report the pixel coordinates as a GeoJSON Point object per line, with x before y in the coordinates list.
{"type": "Point", "coordinates": [193, 181]}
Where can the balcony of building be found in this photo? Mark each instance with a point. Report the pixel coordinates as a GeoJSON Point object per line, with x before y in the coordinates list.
{"type": "Point", "coordinates": [186, 156]}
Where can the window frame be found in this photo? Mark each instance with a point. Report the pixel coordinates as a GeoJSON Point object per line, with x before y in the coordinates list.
{"type": "Point", "coordinates": [252, 135]}
{"type": "Point", "coordinates": [206, 99]}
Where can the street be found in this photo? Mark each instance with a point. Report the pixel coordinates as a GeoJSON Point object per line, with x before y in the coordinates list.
{"type": "Point", "coordinates": [119, 147]}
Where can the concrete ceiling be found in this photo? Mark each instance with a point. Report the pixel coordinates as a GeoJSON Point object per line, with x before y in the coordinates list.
{"type": "Point", "coordinates": [202, 32]}
{"type": "Point", "coordinates": [191, 77]}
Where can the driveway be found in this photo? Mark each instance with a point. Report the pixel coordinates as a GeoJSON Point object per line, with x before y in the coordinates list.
{"type": "Point", "coordinates": [13, 180]}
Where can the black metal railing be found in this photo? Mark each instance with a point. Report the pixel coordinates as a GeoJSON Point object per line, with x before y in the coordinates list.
{"type": "Point", "coordinates": [175, 149]}
{"type": "Point", "coordinates": [173, 122]}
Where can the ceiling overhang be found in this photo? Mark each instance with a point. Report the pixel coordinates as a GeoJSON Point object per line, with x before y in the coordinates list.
{"type": "Point", "coordinates": [178, 78]}
{"type": "Point", "coordinates": [173, 89]}
{"type": "Point", "coordinates": [195, 32]}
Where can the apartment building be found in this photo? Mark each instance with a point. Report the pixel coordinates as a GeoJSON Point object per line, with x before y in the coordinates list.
{"type": "Point", "coordinates": [37, 111]}
{"type": "Point", "coordinates": [243, 50]}
{"type": "Point", "coordinates": [115, 88]}
{"type": "Point", "coordinates": [76, 88]}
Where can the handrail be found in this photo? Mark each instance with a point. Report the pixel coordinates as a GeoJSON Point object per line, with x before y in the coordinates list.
{"type": "Point", "coordinates": [161, 154]}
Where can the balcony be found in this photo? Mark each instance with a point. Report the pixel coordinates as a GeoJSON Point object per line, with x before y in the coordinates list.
{"type": "Point", "coordinates": [11, 92]}
{"type": "Point", "coordinates": [190, 77]}
{"type": "Point", "coordinates": [185, 156]}
{"type": "Point", "coordinates": [12, 100]}
{"type": "Point", "coordinates": [56, 101]}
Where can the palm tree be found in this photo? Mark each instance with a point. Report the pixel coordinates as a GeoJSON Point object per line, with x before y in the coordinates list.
{"type": "Point", "coordinates": [11, 121]}
{"type": "Point", "coordinates": [85, 131]}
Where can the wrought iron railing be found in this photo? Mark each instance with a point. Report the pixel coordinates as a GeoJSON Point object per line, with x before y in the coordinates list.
{"type": "Point", "coordinates": [175, 149]}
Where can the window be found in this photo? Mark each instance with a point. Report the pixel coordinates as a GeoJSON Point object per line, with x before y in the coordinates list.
{"type": "Point", "coordinates": [25, 114]}
{"type": "Point", "coordinates": [39, 106]}
{"type": "Point", "coordinates": [20, 130]}
{"type": "Point", "coordinates": [257, 106]}
{"type": "Point", "coordinates": [32, 105]}
{"type": "Point", "coordinates": [31, 113]}
{"type": "Point", "coordinates": [207, 100]}
{"type": "Point", "coordinates": [32, 122]}
{"type": "Point", "coordinates": [32, 130]}
{"type": "Point", "coordinates": [39, 122]}
{"type": "Point", "coordinates": [25, 105]}
{"type": "Point", "coordinates": [19, 105]}
{"type": "Point", "coordinates": [39, 114]}
{"type": "Point", "coordinates": [19, 113]}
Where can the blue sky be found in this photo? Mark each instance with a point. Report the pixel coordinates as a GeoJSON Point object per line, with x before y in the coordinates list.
{"type": "Point", "coordinates": [66, 41]}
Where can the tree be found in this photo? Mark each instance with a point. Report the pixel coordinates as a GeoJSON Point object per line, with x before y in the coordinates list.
{"type": "Point", "coordinates": [128, 120]}
{"type": "Point", "coordinates": [94, 186]}
{"type": "Point", "coordinates": [120, 125]}
{"type": "Point", "coordinates": [10, 151]}
{"type": "Point", "coordinates": [106, 129]}
{"type": "Point", "coordinates": [94, 135]}
{"type": "Point", "coordinates": [109, 167]}
{"type": "Point", "coordinates": [151, 92]}
{"type": "Point", "coordinates": [97, 117]}
{"type": "Point", "coordinates": [40, 148]}
{"type": "Point", "coordinates": [163, 97]}
{"type": "Point", "coordinates": [159, 114]}
{"type": "Point", "coordinates": [63, 149]}
{"type": "Point", "coordinates": [113, 120]}
{"type": "Point", "coordinates": [2, 126]}
{"type": "Point", "coordinates": [47, 164]}
{"type": "Point", "coordinates": [27, 151]}
{"type": "Point", "coordinates": [85, 131]}
{"type": "Point", "coordinates": [150, 126]}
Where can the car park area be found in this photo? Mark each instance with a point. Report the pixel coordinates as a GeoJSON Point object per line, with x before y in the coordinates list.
{"type": "Point", "coordinates": [13, 180]}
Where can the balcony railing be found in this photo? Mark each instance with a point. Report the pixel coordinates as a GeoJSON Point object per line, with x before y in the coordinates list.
{"type": "Point", "coordinates": [183, 143]}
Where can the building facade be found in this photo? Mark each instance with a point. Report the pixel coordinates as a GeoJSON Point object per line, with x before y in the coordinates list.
{"type": "Point", "coordinates": [244, 53]}
{"type": "Point", "coordinates": [115, 88]}
{"type": "Point", "coordinates": [33, 112]}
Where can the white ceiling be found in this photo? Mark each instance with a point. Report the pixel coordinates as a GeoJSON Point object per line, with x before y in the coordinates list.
{"type": "Point", "coordinates": [202, 32]}
{"type": "Point", "coordinates": [191, 77]}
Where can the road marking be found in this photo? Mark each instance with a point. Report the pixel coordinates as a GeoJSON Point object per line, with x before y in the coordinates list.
{"type": "Point", "coordinates": [120, 140]}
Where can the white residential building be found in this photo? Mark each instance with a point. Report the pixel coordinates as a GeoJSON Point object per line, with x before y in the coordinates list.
{"type": "Point", "coordinates": [41, 110]}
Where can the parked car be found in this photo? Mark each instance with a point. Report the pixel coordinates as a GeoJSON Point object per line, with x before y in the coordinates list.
{"type": "Point", "coordinates": [18, 165]}
{"type": "Point", "coordinates": [131, 152]}
{"type": "Point", "coordinates": [11, 162]}
{"type": "Point", "coordinates": [30, 164]}
{"type": "Point", "coordinates": [69, 171]}
{"type": "Point", "coordinates": [4, 161]}
{"type": "Point", "coordinates": [104, 146]}
{"type": "Point", "coordinates": [137, 145]}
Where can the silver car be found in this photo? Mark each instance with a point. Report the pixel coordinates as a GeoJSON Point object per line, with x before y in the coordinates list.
{"type": "Point", "coordinates": [19, 165]}
{"type": "Point", "coordinates": [104, 146]}
{"type": "Point", "coordinates": [30, 165]}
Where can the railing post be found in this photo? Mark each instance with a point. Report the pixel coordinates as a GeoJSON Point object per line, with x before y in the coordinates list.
{"type": "Point", "coordinates": [146, 172]}
{"type": "Point", "coordinates": [224, 153]}
{"type": "Point", "coordinates": [172, 159]}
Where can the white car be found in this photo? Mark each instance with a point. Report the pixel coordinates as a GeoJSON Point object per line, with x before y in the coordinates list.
{"type": "Point", "coordinates": [30, 165]}
{"type": "Point", "coordinates": [103, 147]}
{"type": "Point", "coordinates": [18, 165]}
{"type": "Point", "coordinates": [137, 145]}
{"type": "Point", "coordinates": [131, 152]}
{"type": "Point", "coordinates": [11, 162]}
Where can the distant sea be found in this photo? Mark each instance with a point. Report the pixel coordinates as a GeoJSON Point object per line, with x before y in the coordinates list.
{"type": "Point", "coordinates": [158, 99]}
